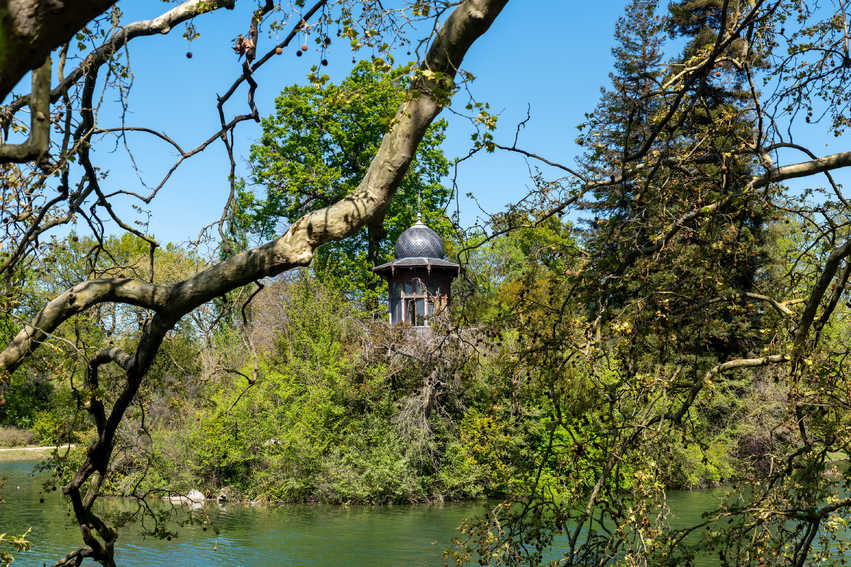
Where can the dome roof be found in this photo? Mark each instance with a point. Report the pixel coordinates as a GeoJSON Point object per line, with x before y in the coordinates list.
{"type": "Point", "coordinates": [419, 241]}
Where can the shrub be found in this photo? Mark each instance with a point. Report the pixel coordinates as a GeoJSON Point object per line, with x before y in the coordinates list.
{"type": "Point", "coordinates": [14, 437]}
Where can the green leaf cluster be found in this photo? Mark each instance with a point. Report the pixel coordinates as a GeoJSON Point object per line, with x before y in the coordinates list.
{"type": "Point", "coordinates": [315, 150]}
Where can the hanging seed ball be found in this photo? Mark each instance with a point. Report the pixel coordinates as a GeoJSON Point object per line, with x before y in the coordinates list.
{"type": "Point", "coordinates": [298, 53]}
{"type": "Point", "coordinates": [324, 62]}
{"type": "Point", "coordinates": [189, 55]}
{"type": "Point", "coordinates": [41, 500]}
{"type": "Point", "coordinates": [304, 47]}
{"type": "Point", "coordinates": [279, 50]}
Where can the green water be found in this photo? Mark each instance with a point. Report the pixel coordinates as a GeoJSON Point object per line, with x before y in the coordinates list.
{"type": "Point", "coordinates": [354, 536]}
{"type": "Point", "coordinates": [267, 536]}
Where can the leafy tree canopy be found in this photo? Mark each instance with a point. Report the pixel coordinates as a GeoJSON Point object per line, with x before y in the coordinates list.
{"type": "Point", "coordinates": [315, 150]}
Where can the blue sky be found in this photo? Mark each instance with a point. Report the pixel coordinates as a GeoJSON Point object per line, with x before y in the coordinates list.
{"type": "Point", "coordinates": [553, 55]}
{"type": "Point", "coordinates": [550, 55]}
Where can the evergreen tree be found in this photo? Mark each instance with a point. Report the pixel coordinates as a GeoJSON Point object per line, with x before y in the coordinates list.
{"type": "Point", "coordinates": [618, 127]}
{"type": "Point", "coordinates": [678, 240]}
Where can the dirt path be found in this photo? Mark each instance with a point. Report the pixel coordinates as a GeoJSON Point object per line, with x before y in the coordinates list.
{"type": "Point", "coordinates": [27, 453]}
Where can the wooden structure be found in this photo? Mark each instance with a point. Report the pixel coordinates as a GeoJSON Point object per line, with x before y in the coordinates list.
{"type": "Point", "coordinates": [419, 278]}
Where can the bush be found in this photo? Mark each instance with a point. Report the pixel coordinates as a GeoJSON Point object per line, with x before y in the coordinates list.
{"type": "Point", "coordinates": [343, 410]}
{"type": "Point", "coordinates": [14, 437]}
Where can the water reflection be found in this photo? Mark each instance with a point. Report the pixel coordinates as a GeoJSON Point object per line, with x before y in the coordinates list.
{"type": "Point", "coordinates": [250, 536]}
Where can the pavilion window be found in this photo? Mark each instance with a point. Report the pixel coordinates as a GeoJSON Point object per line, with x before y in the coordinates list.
{"type": "Point", "coordinates": [395, 308]}
{"type": "Point", "coordinates": [413, 302]}
{"type": "Point", "coordinates": [421, 320]}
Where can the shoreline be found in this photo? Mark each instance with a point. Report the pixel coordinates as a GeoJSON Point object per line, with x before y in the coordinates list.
{"type": "Point", "coordinates": [30, 452]}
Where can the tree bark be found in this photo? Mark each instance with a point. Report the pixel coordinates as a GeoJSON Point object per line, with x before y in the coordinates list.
{"type": "Point", "coordinates": [803, 169]}
{"type": "Point", "coordinates": [36, 146]}
{"type": "Point", "coordinates": [31, 29]}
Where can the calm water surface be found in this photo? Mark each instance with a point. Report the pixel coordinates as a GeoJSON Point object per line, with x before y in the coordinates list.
{"type": "Point", "coordinates": [354, 536]}
{"type": "Point", "coordinates": [247, 536]}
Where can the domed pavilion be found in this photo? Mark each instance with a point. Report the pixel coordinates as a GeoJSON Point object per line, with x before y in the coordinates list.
{"type": "Point", "coordinates": [419, 278]}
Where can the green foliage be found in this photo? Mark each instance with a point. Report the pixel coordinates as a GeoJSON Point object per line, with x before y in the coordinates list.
{"type": "Point", "coordinates": [45, 394]}
{"type": "Point", "coordinates": [315, 150]}
{"type": "Point", "coordinates": [32, 394]}
{"type": "Point", "coordinates": [13, 544]}
{"type": "Point", "coordinates": [338, 415]}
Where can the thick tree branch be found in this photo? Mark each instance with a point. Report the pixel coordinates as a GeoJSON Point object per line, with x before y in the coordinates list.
{"type": "Point", "coordinates": [31, 30]}
{"type": "Point", "coordinates": [37, 144]}
{"type": "Point", "coordinates": [746, 363]}
{"type": "Point", "coordinates": [836, 294]}
{"type": "Point", "coordinates": [801, 148]}
{"type": "Point", "coordinates": [95, 405]}
{"type": "Point", "coordinates": [781, 307]}
{"type": "Point", "coordinates": [831, 265]}
{"type": "Point", "coordinates": [75, 300]}
{"type": "Point", "coordinates": [803, 169]}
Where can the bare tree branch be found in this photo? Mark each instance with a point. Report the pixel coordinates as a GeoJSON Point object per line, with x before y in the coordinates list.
{"type": "Point", "coordinates": [160, 25]}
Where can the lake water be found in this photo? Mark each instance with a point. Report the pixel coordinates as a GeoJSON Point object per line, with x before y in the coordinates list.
{"type": "Point", "coordinates": [356, 536]}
